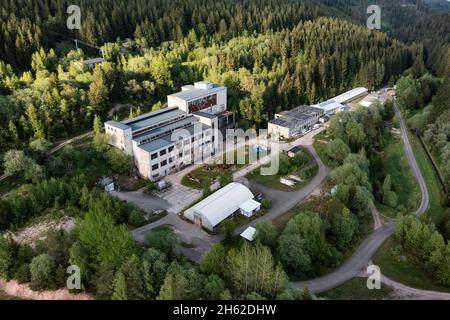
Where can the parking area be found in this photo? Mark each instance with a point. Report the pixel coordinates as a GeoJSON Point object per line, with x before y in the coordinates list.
{"type": "Point", "coordinates": [146, 202]}
{"type": "Point", "coordinates": [178, 196]}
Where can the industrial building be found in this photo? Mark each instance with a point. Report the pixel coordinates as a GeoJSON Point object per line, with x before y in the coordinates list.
{"type": "Point", "coordinates": [293, 122]}
{"type": "Point", "coordinates": [221, 205]}
{"type": "Point", "coordinates": [165, 141]}
{"type": "Point", "coordinates": [288, 124]}
{"type": "Point", "coordinates": [330, 107]}
{"type": "Point", "coordinates": [351, 95]}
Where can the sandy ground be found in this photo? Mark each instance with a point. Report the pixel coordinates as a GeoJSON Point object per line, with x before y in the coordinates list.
{"type": "Point", "coordinates": [38, 231]}
{"type": "Point", "coordinates": [23, 291]}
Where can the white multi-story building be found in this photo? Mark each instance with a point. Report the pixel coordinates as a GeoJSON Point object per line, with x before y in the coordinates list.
{"type": "Point", "coordinates": [186, 131]}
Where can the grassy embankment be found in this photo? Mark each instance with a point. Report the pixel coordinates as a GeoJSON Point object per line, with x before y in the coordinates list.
{"type": "Point", "coordinates": [306, 173]}
{"type": "Point", "coordinates": [356, 289]}
{"type": "Point", "coordinates": [404, 269]}
{"type": "Point", "coordinates": [403, 182]}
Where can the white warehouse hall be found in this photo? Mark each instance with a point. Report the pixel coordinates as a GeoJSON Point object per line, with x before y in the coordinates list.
{"type": "Point", "coordinates": [222, 204]}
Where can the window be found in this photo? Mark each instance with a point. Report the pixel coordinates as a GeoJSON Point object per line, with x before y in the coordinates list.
{"type": "Point", "coordinates": [162, 152]}
{"type": "Point", "coordinates": [170, 160]}
{"type": "Point", "coordinates": [164, 163]}
{"type": "Point", "coordinates": [171, 149]}
{"type": "Point", "coordinates": [180, 154]}
{"type": "Point", "coordinates": [154, 156]}
{"type": "Point", "coordinates": [155, 167]}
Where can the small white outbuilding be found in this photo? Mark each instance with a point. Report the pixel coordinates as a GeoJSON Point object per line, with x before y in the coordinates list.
{"type": "Point", "coordinates": [250, 207]}
{"type": "Point", "coordinates": [249, 234]}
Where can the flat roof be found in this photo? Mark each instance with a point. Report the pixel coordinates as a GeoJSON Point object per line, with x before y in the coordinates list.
{"type": "Point", "coordinates": [94, 60]}
{"type": "Point", "coordinates": [205, 115]}
{"type": "Point", "coordinates": [249, 234]}
{"type": "Point", "coordinates": [222, 203]}
{"type": "Point", "coordinates": [288, 118]}
{"type": "Point", "coordinates": [166, 140]}
{"type": "Point", "coordinates": [250, 205]}
{"type": "Point", "coordinates": [197, 93]}
{"type": "Point", "coordinates": [295, 149]}
{"type": "Point", "coordinates": [329, 105]}
{"type": "Point", "coordinates": [152, 118]}
{"type": "Point", "coordinates": [167, 128]}
{"type": "Point", "coordinates": [116, 124]}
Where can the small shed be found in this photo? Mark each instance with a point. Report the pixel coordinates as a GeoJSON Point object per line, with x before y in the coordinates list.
{"type": "Point", "coordinates": [107, 183]}
{"type": "Point", "coordinates": [292, 152]}
{"type": "Point", "coordinates": [249, 234]}
{"type": "Point", "coordinates": [250, 207]}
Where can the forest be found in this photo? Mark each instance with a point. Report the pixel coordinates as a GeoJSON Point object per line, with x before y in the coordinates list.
{"type": "Point", "coordinates": [272, 55]}
{"type": "Point", "coordinates": [264, 73]}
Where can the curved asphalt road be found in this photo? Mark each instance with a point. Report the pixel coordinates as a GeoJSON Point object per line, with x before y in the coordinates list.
{"type": "Point", "coordinates": [362, 256]}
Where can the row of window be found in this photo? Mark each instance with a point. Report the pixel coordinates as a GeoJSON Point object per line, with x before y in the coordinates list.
{"type": "Point", "coordinates": [185, 143]}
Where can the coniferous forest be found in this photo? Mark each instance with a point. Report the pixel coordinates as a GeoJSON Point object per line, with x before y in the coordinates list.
{"type": "Point", "coordinates": [272, 55]}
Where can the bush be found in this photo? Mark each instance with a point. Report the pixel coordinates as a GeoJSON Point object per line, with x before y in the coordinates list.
{"type": "Point", "coordinates": [42, 270]}
{"type": "Point", "coordinates": [23, 274]}
{"type": "Point", "coordinates": [266, 203]}
{"type": "Point", "coordinates": [136, 218]}
{"type": "Point", "coordinates": [162, 240]}
{"type": "Point", "coordinates": [390, 199]}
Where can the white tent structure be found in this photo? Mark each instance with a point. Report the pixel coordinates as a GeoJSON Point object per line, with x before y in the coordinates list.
{"type": "Point", "coordinates": [330, 107]}
{"type": "Point", "coordinates": [351, 95]}
{"type": "Point", "coordinates": [210, 212]}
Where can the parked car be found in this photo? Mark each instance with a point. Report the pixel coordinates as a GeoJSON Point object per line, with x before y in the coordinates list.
{"type": "Point", "coordinates": [259, 196]}
{"type": "Point", "coordinates": [162, 185]}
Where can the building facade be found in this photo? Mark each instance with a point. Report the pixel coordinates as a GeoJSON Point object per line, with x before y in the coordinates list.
{"type": "Point", "coordinates": [165, 141]}
{"type": "Point", "coordinates": [291, 123]}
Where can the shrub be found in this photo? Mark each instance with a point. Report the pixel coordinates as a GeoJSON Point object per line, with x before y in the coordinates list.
{"type": "Point", "coordinates": [136, 218]}
{"type": "Point", "coordinates": [266, 203]}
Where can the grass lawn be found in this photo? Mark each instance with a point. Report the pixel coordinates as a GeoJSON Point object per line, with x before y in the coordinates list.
{"type": "Point", "coordinates": [280, 221]}
{"type": "Point", "coordinates": [356, 289]}
{"type": "Point", "coordinates": [407, 271]}
{"type": "Point", "coordinates": [320, 147]}
{"type": "Point", "coordinates": [435, 210]}
{"type": "Point", "coordinates": [273, 181]}
{"type": "Point", "coordinates": [204, 176]}
{"type": "Point", "coordinates": [403, 182]}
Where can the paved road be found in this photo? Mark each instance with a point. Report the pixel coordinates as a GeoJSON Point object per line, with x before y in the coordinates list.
{"type": "Point", "coordinates": [404, 292]}
{"type": "Point", "coordinates": [362, 256]}
{"type": "Point", "coordinates": [144, 201]}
